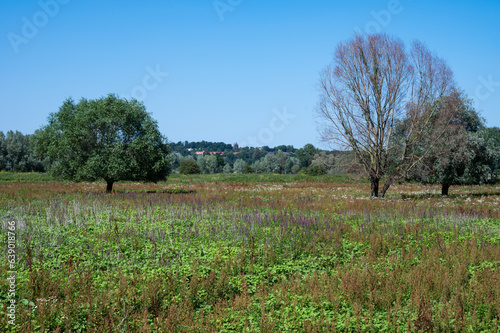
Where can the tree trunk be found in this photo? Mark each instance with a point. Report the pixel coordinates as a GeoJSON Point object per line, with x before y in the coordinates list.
{"type": "Point", "coordinates": [445, 189]}
{"type": "Point", "coordinates": [109, 186]}
{"type": "Point", "coordinates": [374, 187]}
{"type": "Point", "coordinates": [386, 186]}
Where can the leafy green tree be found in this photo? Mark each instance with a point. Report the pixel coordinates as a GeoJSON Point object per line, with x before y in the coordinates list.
{"type": "Point", "coordinates": [212, 164]}
{"type": "Point", "coordinates": [306, 155]}
{"type": "Point", "coordinates": [295, 168]}
{"type": "Point", "coordinates": [271, 163]}
{"type": "Point", "coordinates": [202, 163]}
{"type": "Point", "coordinates": [227, 169]}
{"type": "Point", "coordinates": [220, 162]}
{"type": "Point", "coordinates": [461, 155]}
{"type": "Point", "coordinates": [107, 138]}
{"type": "Point", "coordinates": [468, 162]}
{"type": "Point", "coordinates": [492, 136]}
{"type": "Point", "coordinates": [239, 166]}
{"type": "Point", "coordinates": [292, 165]}
{"type": "Point", "coordinates": [247, 169]}
{"type": "Point", "coordinates": [189, 167]}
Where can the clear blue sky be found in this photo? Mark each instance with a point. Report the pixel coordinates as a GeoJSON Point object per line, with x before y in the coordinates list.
{"type": "Point", "coordinates": [224, 69]}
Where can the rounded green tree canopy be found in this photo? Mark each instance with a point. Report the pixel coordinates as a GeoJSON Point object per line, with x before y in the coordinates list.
{"type": "Point", "coordinates": [108, 138]}
{"type": "Point", "coordinates": [189, 167]}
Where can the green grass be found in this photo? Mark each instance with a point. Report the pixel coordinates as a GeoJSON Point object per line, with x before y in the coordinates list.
{"type": "Point", "coordinates": [258, 178]}
{"type": "Point", "coordinates": [24, 177]}
{"type": "Point", "coordinates": [201, 178]}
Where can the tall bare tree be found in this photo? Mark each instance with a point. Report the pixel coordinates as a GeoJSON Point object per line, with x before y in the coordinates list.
{"type": "Point", "coordinates": [372, 83]}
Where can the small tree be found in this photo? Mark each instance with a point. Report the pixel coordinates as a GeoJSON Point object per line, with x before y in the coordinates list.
{"type": "Point", "coordinates": [212, 164]}
{"type": "Point", "coordinates": [227, 169]}
{"type": "Point", "coordinates": [462, 155]}
{"type": "Point", "coordinates": [239, 166]}
{"type": "Point", "coordinates": [189, 167]}
{"type": "Point", "coordinates": [306, 155]}
{"type": "Point", "coordinates": [270, 163]}
{"type": "Point", "coordinates": [247, 169]}
{"type": "Point", "coordinates": [468, 162]}
{"type": "Point", "coordinates": [295, 168]}
{"type": "Point", "coordinates": [292, 165]}
{"type": "Point", "coordinates": [108, 138]}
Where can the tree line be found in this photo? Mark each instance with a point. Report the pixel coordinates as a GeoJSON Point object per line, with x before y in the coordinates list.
{"type": "Point", "coordinates": [17, 153]}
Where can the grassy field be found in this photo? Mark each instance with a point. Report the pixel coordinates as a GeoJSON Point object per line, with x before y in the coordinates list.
{"type": "Point", "coordinates": [249, 253]}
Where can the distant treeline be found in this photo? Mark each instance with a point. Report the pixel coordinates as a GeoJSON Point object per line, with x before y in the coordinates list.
{"type": "Point", "coordinates": [17, 154]}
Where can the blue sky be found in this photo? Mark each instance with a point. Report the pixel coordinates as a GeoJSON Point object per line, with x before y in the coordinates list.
{"type": "Point", "coordinates": [227, 70]}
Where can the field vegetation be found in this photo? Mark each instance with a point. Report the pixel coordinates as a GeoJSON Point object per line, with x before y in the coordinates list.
{"type": "Point", "coordinates": [250, 253]}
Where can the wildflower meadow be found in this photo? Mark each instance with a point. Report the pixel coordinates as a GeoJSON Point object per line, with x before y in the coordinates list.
{"type": "Point", "coordinates": [248, 253]}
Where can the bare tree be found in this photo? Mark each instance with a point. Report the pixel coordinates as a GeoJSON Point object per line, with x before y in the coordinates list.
{"type": "Point", "coordinates": [372, 83]}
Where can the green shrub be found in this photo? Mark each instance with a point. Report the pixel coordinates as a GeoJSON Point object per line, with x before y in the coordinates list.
{"type": "Point", "coordinates": [248, 169]}
{"type": "Point", "coordinates": [314, 170]}
{"type": "Point", "coordinates": [189, 167]}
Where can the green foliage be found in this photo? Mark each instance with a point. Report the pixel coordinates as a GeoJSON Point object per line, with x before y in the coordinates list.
{"type": "Point", "coordinates": [25, 177]}
{"type": "Point", "coordinates": [107, 138]}
{"type": "Point", "coordinates": [306, 155]}
{"type": "Point", "coordinates": [189, 167]}
{"type": "Point", "coordinates": [295, 169]}
{"type": "Point", "coordinates": [247, 169]}
{"type": "Point", "coordinates": [492, 136]}
{"type": "Point", "coordinates": [463, 155]}
{"type": "Point", "coordinates": [239, 166]}
{"type": "Point", "coordinates": [17, 154]}
{"type": "Point", "coordinates": [227, 169]}
{"type": "Point", "coordinates": [314, 170]}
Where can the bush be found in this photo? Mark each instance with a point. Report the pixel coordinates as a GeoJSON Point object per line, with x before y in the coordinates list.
{"type": "Point", "coordinates": [314, 170]}
{"type": "Point", "coordinates": [247, 169]}
{"type": "Point", "coordinates": [295, 169]}
{"type": "Point", "coordinates": [189, 167]}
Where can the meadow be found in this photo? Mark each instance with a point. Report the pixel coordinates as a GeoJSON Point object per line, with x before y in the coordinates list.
{"type": "Point", "coordinates": [250, 253]}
